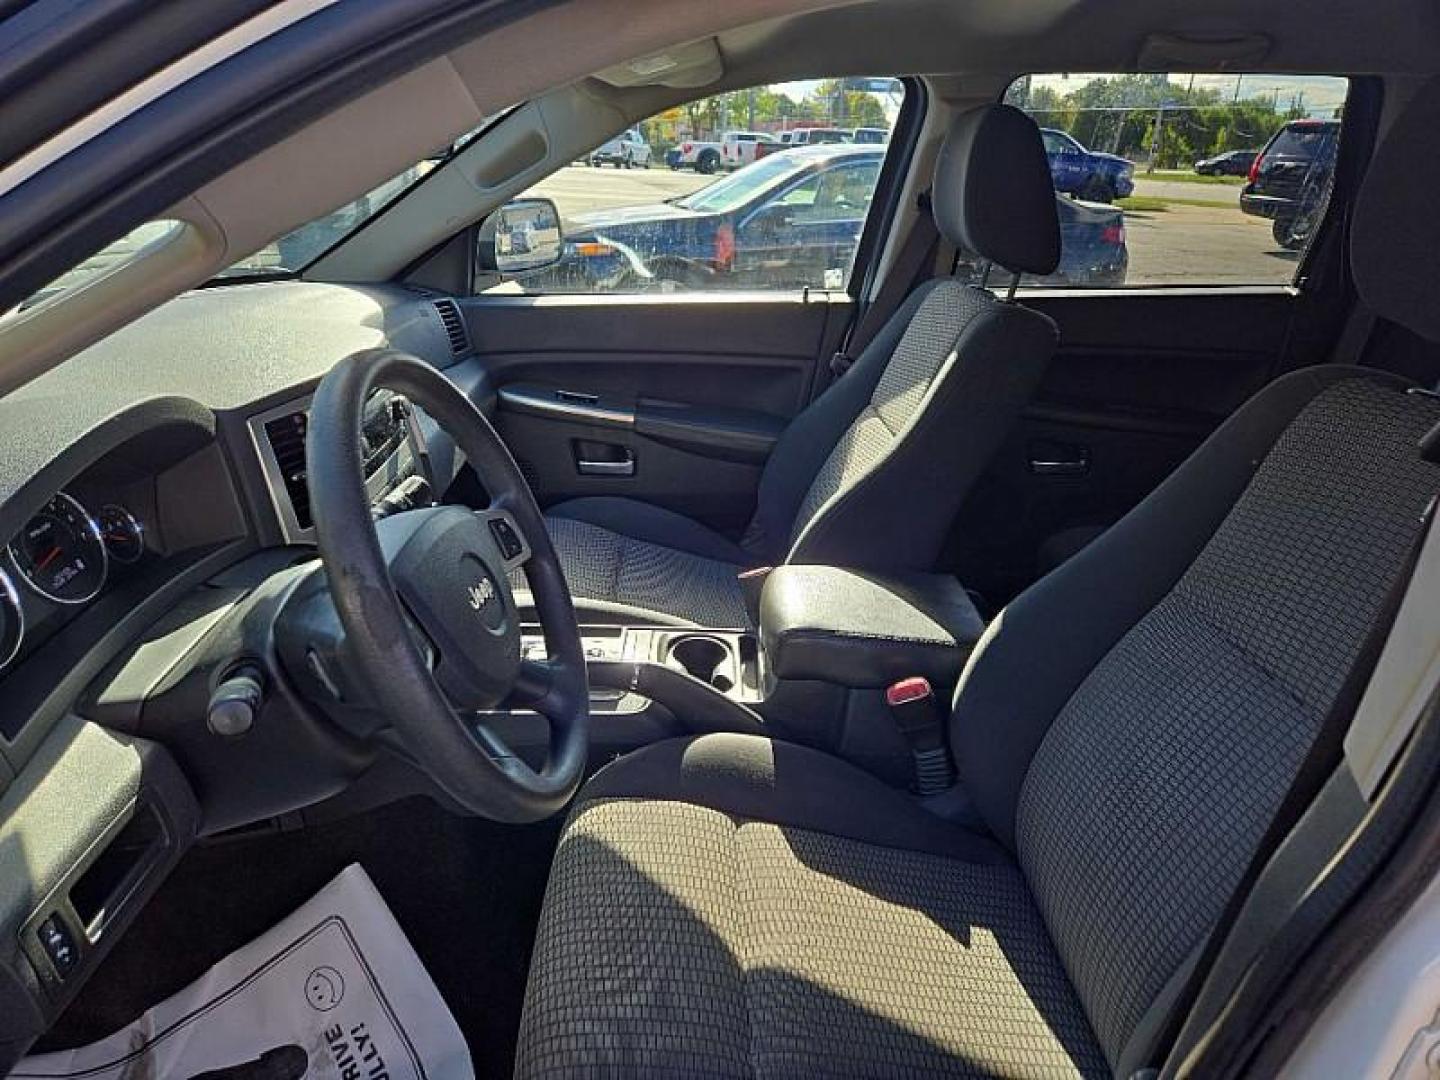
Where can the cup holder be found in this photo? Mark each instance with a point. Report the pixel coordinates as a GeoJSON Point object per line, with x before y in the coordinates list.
{"type": "Point", "coordinates": [705, 658]}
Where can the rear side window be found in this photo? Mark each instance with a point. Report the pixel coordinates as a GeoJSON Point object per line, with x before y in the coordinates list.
{"type": "Point", "coordinates": [1185, 179]}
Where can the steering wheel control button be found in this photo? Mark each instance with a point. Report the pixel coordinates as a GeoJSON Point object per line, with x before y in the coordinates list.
{"type": "Point", "coordinates": [235, 704]}
{"type": "Point", "coordinates": [58, 945]}
{"type": "Point", "coordinates": [506, 538]}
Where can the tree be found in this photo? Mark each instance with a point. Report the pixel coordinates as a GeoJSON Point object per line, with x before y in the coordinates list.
{"type": "Point", "coordinates": [1121, 113]}
{"type": "Point", "coordinates": [831, 101]}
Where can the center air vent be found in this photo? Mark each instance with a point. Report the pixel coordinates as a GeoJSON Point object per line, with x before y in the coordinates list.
{"type": "Point", "coordinates": [454, 324]}
{"type": "Point", "coordinates": [286, 435]}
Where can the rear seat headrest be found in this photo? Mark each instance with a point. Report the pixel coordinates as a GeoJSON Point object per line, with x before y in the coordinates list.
{"type": "Point", "coordinates": [1395, 230]}
{"type": "Point", "coordinates": [992, 195]}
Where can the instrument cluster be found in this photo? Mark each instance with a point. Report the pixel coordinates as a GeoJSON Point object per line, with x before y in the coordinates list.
{"type": "Point", "coordinates": [62, 557]}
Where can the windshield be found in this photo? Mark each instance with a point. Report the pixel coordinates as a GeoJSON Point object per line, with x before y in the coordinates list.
{"type": "Point", "coordinates": [297, 248]}
{"type": "Point", "coordinates": [740, 187]}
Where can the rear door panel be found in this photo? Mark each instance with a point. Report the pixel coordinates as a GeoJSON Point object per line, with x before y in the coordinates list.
{"type": "Point", "coordinates": [1138, 381]}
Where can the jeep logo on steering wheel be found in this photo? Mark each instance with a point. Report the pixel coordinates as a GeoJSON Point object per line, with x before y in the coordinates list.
{"type": "Point", "coordinates": [481, 594]}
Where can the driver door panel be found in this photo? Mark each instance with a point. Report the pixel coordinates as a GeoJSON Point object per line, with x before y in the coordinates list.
{"type": "Point", "coordinates": [671, 400]}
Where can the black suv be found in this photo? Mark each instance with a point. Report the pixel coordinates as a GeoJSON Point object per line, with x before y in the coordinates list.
{"type": "Point", "coordinates": [1289, 181]}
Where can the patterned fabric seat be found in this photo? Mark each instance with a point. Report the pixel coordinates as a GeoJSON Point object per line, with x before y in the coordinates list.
{"type": "Point", "coordinates": [732, 907]}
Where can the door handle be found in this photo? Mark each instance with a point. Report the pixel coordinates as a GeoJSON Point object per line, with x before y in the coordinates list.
{"type": "Point", "coordinates": [1072, 461]}
{"type": "Point", "coordinates": [622, 466]}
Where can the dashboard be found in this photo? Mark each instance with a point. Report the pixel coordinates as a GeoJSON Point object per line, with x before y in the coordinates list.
{"type": "Point", "coordinates": [139, 483]}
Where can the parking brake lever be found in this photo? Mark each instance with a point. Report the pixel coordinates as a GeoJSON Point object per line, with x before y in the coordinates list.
{"type": "Point", "coordinates": [696, 704]}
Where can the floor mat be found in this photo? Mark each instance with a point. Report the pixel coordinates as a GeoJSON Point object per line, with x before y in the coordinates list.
{"type": "Point", "coordinates": [466, 892]}
{"type": "Point", "coordinates": [331, 992]}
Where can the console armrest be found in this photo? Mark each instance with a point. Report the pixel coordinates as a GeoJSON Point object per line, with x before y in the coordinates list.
{"type": "Point", "coordinates": [863, 630]}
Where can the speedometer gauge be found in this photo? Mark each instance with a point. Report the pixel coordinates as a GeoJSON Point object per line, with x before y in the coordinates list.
{"type": "Point", "coordinates": [60, 553]}
{"type": "Point", "coordinates": [12, 621]}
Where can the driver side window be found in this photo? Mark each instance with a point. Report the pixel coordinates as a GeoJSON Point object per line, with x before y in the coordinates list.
{"type": "Point", "coordinates": [718, 200]}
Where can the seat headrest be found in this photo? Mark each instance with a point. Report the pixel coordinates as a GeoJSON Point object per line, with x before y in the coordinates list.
{"type": "Point", "coordinates": [1395, 230]}
{"type": "Point", "coordinates": [992, 195]}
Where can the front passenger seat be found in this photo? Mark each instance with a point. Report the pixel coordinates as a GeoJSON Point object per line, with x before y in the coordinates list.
{"type": "Point", "coordinates": [873, 472]}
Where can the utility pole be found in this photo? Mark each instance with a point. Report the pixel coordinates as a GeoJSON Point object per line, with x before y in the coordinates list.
{"type": "Point", "coordinates": [1155, 139]}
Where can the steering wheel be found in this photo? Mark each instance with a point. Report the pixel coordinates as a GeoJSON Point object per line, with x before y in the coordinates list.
{"type": "Point", "coordinates": [424, 598]}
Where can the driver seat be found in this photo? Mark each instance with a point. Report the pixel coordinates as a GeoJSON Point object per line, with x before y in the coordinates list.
{"type": "Point", "coordinates": [729, 906]}
{"type": "Point", "coordinates": [873, 472]}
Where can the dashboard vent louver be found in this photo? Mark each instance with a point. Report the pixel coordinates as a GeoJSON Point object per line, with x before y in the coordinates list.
{"type": "Point", "coordinates": [454, 323]}
{"type": "Point", "coordinates": [286, 435]}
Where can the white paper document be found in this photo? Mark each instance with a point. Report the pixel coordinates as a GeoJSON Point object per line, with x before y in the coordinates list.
{"type": "Point", "coordinates": [334, 992]}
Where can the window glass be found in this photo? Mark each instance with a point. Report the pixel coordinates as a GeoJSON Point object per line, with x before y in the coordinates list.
{"type": "Point", "coordinates": [297, 248]}
{"type": "Point", "coordinates": [1184, 179]}
{"type": "Point", "coordinates": [726, 193]}
{"type": "Point", "coordinates": [129, 247]}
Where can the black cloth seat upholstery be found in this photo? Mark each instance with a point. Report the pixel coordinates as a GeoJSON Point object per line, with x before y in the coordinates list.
{"type": "Point", "coordinates": [736, 907]}
{"type": "Point", "coordinates": [732, 907]}
{"type": "Point", "coordinates": [1126, 730]}
{"type": "Point", "coordinates": [872, 473]}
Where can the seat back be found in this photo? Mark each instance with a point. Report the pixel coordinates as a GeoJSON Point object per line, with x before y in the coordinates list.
{"type": "Point", "coordinates": [1130, 724]}
{"type": "Point", "coordinates": [874, 471]}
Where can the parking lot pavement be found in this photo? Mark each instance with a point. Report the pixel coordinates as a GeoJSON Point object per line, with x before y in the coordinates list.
{"type": "Point", "coordinates": [1200, 245]}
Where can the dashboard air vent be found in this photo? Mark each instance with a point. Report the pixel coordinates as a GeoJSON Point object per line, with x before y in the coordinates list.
{"type": "Point", "coordinates": [454, 323]}
{"type": "Point", "coordinates": [286, 435]}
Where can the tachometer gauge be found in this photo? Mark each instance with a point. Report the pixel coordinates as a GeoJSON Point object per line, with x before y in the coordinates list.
{"type": "Point", "coordinates": [12, 621]}
{"type": "Point", "coordinates": [60, 554]}
{"type": "Point", "coordinates": [123, 534]}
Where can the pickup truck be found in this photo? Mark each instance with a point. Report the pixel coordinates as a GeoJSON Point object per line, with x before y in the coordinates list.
{"type": "Point", "coordinates": [1086, 174]}
{"type": "Point", "coordinates": [734, 149]}
{"type": "Point", "coordinates": [703, 157]}
{"type": "Point", "coordinates": [626, 150]}
{"type": "Point", "coordinates": [740, 148]}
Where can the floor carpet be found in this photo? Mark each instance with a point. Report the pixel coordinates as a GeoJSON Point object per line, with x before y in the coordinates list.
{"type": "Point", "coordinates": [467, 893]}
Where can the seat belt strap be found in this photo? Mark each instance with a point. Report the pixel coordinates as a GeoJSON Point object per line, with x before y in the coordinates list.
{"type": "Point", "coordinates": [1326, 753]}
{"type": "Point", "coordinates": [1355, 334]}
{"type": "Point", "coordinates": [913, 257]}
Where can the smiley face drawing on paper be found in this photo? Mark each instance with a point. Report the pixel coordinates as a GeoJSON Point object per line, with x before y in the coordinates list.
{"type": "Point", "coordinates": [324, 989]}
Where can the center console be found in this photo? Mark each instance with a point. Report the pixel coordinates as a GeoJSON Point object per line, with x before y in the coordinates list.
{"type": "Point", "coordinates": [831, 642]}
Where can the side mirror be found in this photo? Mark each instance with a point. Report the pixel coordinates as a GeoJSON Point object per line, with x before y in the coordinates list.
{"type": "Point", "coordinates": [519, 236]}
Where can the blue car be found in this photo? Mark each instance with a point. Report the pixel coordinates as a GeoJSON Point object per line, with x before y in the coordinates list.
{"type": "Point", "coordinates": [1087, 174]}
{"type": "Point", "coordinates": [791, 219]}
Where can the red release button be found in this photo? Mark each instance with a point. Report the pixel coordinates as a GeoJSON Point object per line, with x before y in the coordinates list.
{"type": "Point", "coordinates": [907, 690]}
